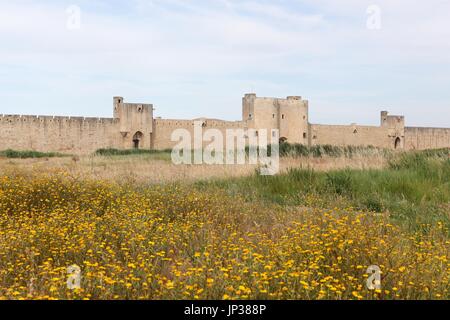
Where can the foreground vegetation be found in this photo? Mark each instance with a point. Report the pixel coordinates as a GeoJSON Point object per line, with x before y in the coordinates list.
{"type": "Point", "coordinates": [293, 236]}
{"type": "Point", "coordinates": [414, 189]}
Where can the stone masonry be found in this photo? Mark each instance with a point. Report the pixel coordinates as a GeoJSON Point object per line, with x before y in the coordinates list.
{"type": "Point", "coordinates": [133, 126]}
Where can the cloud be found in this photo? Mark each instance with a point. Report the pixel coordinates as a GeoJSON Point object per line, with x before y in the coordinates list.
{"type": "Point", "coordinates": [187, 55]}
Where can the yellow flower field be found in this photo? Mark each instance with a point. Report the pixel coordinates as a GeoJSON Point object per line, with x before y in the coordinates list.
{"type": "Point", "coordinates": [174, 242]}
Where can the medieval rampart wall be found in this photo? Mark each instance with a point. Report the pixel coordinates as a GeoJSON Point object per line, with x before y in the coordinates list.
{"type": "Point", "coordinates": [60, 134]}
{"type": "Point", "coordinates": [344, 135]}
{"type": "Point", "coordinates": [418, 138]}
{"type": "Point", "coordinates": [163, 129]}
{"type": "Point", "coordinates": [133, 126]}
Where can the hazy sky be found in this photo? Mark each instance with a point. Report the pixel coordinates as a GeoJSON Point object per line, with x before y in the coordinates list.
{"type": "Point", "coordinates": [194, 58]}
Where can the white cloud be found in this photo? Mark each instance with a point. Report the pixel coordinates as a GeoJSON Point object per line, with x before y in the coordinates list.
{"type": "Point", "coordinates": [210, 52]}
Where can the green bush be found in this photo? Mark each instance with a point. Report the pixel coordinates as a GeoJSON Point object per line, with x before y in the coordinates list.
{"type": "Point", "coordinates": [373, 203]}
{"type": "Point", "coordinates": [340, 182]}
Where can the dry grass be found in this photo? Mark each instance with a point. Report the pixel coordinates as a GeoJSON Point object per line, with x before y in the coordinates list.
{"type": "Point", "coordinates": [153, 169]}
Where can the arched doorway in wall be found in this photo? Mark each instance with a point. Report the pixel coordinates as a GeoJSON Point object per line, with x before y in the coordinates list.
{"type": "Point", "coordinates": [137, 139]}
{"type": "Point", "coordinates": [398, 143]}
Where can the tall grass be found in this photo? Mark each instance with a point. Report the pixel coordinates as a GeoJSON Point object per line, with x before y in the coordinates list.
{"type": "Point", "coordinates": [317, 151]}
{"type": "Point", "coordinates": [286, 150]}
{"type": "Point", "coordinates": [414, 189]}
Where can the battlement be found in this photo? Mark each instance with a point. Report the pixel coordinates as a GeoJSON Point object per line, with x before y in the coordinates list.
{"type": "Point", "coordinates": [388, 120]}
{"type": "Point", "coordinates": [253, 96]}
{"type": "Point", "coordinates": [294, 98]}
{"type": "Point", "coordinates": [15, 118]}
{"type": "Point", "coordinates": [214, 123]}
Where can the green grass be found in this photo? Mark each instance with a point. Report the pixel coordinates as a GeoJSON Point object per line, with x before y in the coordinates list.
{"type": "Point", "coordinates": [414, 189]}
{"type": "Point", "coordinates": [14, 154]}
{"type": "Point", "coordinates": [130, 152]}
{"type": "Point", "coordinates": [286, 150]}
{"type": "Point", "coordinates": [152, 154]}
{"type": "Point", "coordinates": [317, 151]}
{"type": "Point", "coordinates": [127, 152]}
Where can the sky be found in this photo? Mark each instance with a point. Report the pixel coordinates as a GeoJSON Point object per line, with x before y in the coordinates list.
{"type": "Point", "coordinates": [350, 58]}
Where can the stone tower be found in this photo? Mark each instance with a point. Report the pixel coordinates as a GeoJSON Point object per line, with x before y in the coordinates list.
{"type": "Point", "coordinates": [396, 129]}
{"type": "Point", "coordinates": [135, 123]}
{"type": "Point", "coordinates": [289, 116]}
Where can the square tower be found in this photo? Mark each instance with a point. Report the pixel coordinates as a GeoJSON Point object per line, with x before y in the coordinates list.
{"type": "Point", "coordinates": [289, 116]}
{"type": "Point", "coordinates": [135, 123]}
{"type": "Point", "coordinates": [395, 126]}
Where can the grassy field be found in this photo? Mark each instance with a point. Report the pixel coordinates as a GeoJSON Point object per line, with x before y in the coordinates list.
{"type": "Point", "coordinates": [146, 166]}
{"type": "Point", "coordinates": [413, 189]}
{"type": "Point", "coordinates": [303, 234]}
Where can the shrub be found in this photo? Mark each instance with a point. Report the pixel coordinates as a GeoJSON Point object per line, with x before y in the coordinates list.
{"type": "Point", "coordinates": [339, 182]}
